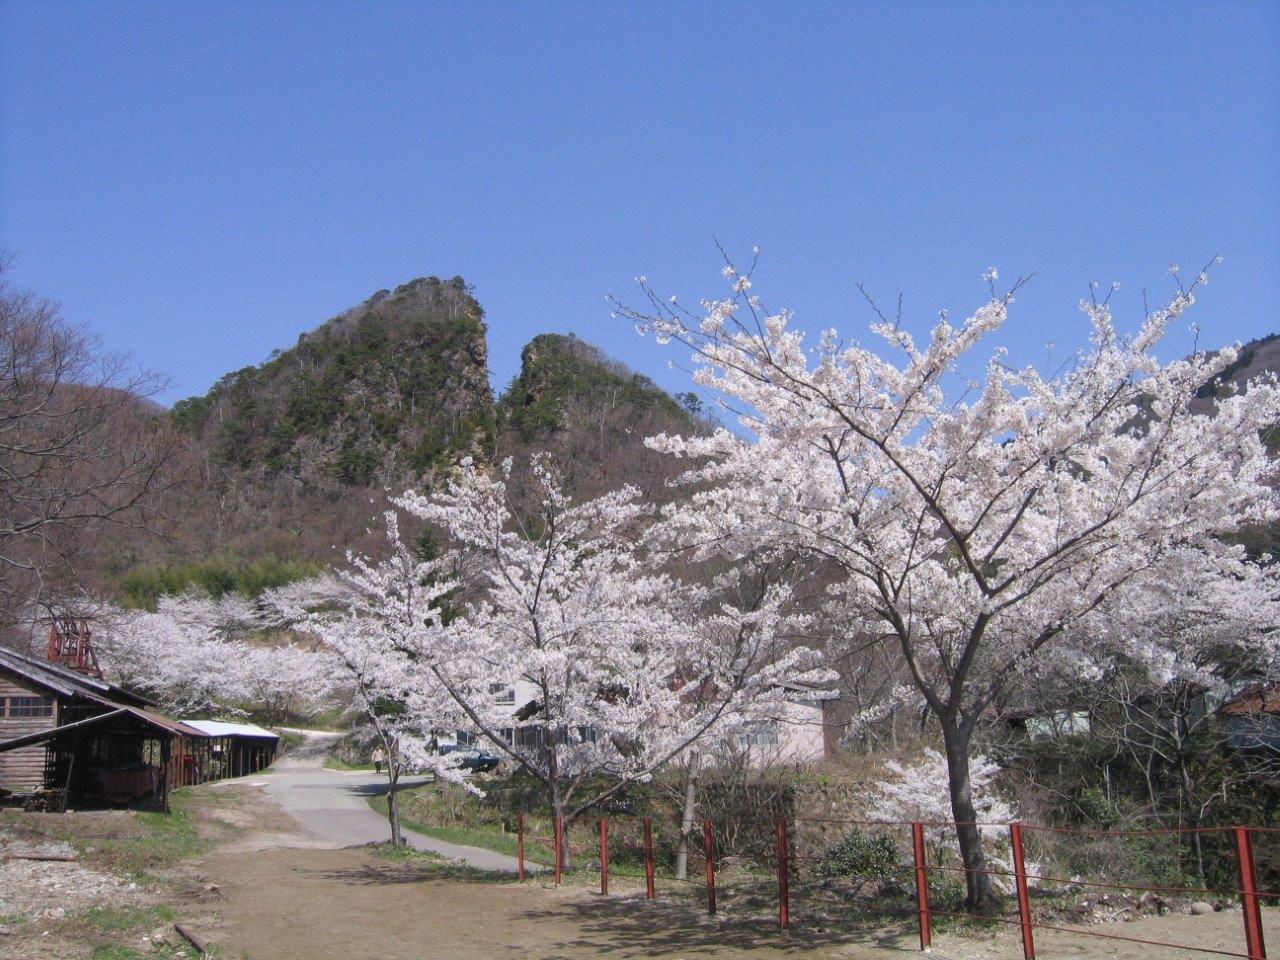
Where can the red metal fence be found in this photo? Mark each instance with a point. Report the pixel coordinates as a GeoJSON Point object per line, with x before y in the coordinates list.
{"type": "Point", "coordinates": [1016, 872]}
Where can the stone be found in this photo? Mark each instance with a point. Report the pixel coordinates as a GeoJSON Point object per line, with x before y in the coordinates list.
{"type": "Point", "coordinates": [1200, 908]}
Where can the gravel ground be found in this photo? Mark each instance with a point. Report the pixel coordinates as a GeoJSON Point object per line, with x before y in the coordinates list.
{"type": "Point", "coordinates": [54, 889]}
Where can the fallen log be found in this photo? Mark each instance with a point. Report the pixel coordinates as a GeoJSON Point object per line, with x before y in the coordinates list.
{"type": "Point", "coordinates": [192, 939]}
{"type": "Point", "coordinates": [50, 857]}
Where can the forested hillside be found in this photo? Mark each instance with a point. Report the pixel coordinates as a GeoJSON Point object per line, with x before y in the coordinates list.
{"type": "Point", "coordinates": [386, 391]}
{"type": "Point", "coordinates": [287, 461]}
{"type": "Point", "coordinates": [591, 414]}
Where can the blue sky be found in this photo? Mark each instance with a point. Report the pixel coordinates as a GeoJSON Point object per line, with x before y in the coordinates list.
{"type": "Point", "coordinates": [199, 183]}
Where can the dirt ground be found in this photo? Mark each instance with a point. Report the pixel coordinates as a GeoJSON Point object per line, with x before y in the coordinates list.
{"type": "Point", "coordinates": [132, 875]}
{"type": "Point", "coordinates": [287, 904]}
{"type": "Point", "coordinates": [245, 877]}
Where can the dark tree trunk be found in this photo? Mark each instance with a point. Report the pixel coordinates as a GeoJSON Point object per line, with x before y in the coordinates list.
{"type": "Point", "coordinates": [393, 800]}
{"type": "Point", "coordinates": [980, 895]}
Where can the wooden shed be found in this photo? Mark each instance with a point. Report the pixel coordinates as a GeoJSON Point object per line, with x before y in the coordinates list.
{"type": "Point", "coordinates": [231, 748]}
{"type": "Point", "coordinates": [121, 756]}
{"type": "Point", "coordinates": [70, 738]}
{"type": "Point", "coordinates": [37, 695]}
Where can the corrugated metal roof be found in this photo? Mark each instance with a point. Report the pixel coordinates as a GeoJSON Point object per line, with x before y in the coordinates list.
{"type": "Point", "coordinates": [228, 728]}
{"type": "Point", "coordinates": [63, 680]}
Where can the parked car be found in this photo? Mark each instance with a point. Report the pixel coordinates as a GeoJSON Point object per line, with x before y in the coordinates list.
{"type": "Point", "coordinates": [470, 758]}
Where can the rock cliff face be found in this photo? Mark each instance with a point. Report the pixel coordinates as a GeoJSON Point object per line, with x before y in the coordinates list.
{"type": "Point", "coordinates": [379, 395]}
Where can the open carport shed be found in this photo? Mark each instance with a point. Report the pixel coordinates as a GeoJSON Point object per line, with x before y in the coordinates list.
{"type": "Point", "coordinates": [118, 756]}
{"type": "Point", "coordinates": [230, 749]}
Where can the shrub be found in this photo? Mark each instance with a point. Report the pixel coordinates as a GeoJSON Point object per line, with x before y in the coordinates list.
{"type": "Point", "coordinates": [860, 857]}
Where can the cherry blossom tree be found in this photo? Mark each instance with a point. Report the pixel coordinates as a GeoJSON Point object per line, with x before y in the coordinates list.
{"type": "Point", "coordinates": [976, 527]}
{"type": "Point", "coordinates": [917, 791]}
{"type": "Point", "coordinates": [191, 655]}
{"type": "Point", "coordinates": [626, 667]}
{"type": "Point", "coordinates": [1159, 660]}
{"type": "Point", "coordinates": [374, 617]}
{"type": "Point", "coordinates": [182, 655]}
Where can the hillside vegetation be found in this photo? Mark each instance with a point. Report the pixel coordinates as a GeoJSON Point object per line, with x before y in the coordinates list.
{"type": "Point", "coordinates": [288, 460]}
{"type": "Point", "coordinates": [391, 389]}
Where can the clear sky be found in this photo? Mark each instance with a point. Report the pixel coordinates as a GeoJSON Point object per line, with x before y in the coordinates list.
{"type": "Point", "coordinates": [198, 183]}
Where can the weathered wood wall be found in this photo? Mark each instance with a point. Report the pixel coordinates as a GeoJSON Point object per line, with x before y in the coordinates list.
{"type": "Point", "coordinates": [22, 769]}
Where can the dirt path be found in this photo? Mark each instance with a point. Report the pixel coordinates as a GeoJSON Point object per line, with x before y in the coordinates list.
{"type": "Point", "coordinates": [299, 904]}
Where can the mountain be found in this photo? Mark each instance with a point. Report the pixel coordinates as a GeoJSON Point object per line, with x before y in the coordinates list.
{"type": "Point", "coordinates": [563, 379]}
{"type": "Point", "coordinates": [381, 394]}
{"type": "Point", "coordinates": [591, 413]}
{"type": "Point", "coordinates": [290, 462]}
{"type": "Point", "coordinates": [1256, 358]}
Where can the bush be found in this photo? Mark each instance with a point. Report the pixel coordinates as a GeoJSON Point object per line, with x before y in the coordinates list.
{"type": "Point", "coordinates": [860, 857]}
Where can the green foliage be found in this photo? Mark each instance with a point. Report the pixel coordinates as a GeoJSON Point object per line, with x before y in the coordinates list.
{"type": "Point", "coordinates": [1096, 809]}
{"type": "Point", "coordinates": [142, 586]}
{"type": "Point", "coordinates": [398, 385]}
{"type": "Point", "coordinates": [859, 856]}
{"type": "Point", "coordinates": [556, 369]}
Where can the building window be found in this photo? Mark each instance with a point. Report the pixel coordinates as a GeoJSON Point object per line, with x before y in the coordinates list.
{"type": "Point", "coordinates": [14, 707]}
{"type": "Point", "coordinates": [759, 734]}
{"type": "Point", "coordinates": [502, 694]}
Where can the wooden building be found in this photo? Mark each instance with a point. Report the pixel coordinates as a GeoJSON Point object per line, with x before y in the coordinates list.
{"type": "Point", "coordinates": [231, 748]}
{"type": "Point", "coordinates": [37, 696]}
{"type": "Point", "coordinates": [70, 738]}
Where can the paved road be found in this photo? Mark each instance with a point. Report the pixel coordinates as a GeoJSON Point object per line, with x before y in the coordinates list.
{"type": "Point", "coordinates": [334, 807]}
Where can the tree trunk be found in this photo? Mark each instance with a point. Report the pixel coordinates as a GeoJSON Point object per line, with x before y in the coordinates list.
{"type": "Point", "coordinates": [393, 800]}
{"type": "Point", "coordinates": [557, 812]}
{"type": "Point", "coordinates": [553, 782]}
{"type": "Point", "coordinates": [1188, 809]}
{"type": "Point", "coordinates": [687, 814]}
{"type": "Point", "coordinates": [980, 896]}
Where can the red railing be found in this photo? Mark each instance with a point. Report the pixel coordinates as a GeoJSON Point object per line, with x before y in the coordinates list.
{"type": "Point", "coordinates": [789, 864]}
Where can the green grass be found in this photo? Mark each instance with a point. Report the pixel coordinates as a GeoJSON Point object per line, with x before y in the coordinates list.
{"type": "Point", "coordinates": [116, 919]}
{"type": "Point", "coordinates": [118, 951]}
{"type": "Point", "coordinates": [437, 866]}
{"type": "Point", "coordinates": [403, 853]}
{"type": "Point", "coordinates": [487, 838]}
{"type": "Point", "coordinates": [163, 841]}
{"type": "Point", "coordinates": [145, 841]}
{"type": "Point", "coordinates": [114, 951]}
{"type": "Point", "coordinates": [493, 838]}
{"type": "Point", "coordinates": [337, 763]}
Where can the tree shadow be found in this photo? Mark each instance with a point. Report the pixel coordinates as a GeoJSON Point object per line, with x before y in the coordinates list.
{"type": "Point", "coordinates": [632, 926]}
{"type": "Point", "coordinates": [417, 869]}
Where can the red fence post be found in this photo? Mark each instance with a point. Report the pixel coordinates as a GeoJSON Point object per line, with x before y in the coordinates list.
{"type": "Point", "coordinates": [649, 892]}
{"type": "Point", "coordinates": [922, 885]}
{"type": "Point", "coordinates": [1254, 944]}
{"type": "Point", "coordinates": [784, 889]}
{"type": "Point", "coordinates": [604, 856]}
{"type": "Point", "coordinates": [559, 841]}
{"type": "Point", "coordinates": [520, 847]}
{"type": "Point", "coordinates": [709, 850]}
{"type": "Point", "coordinates": [1024, 900]}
